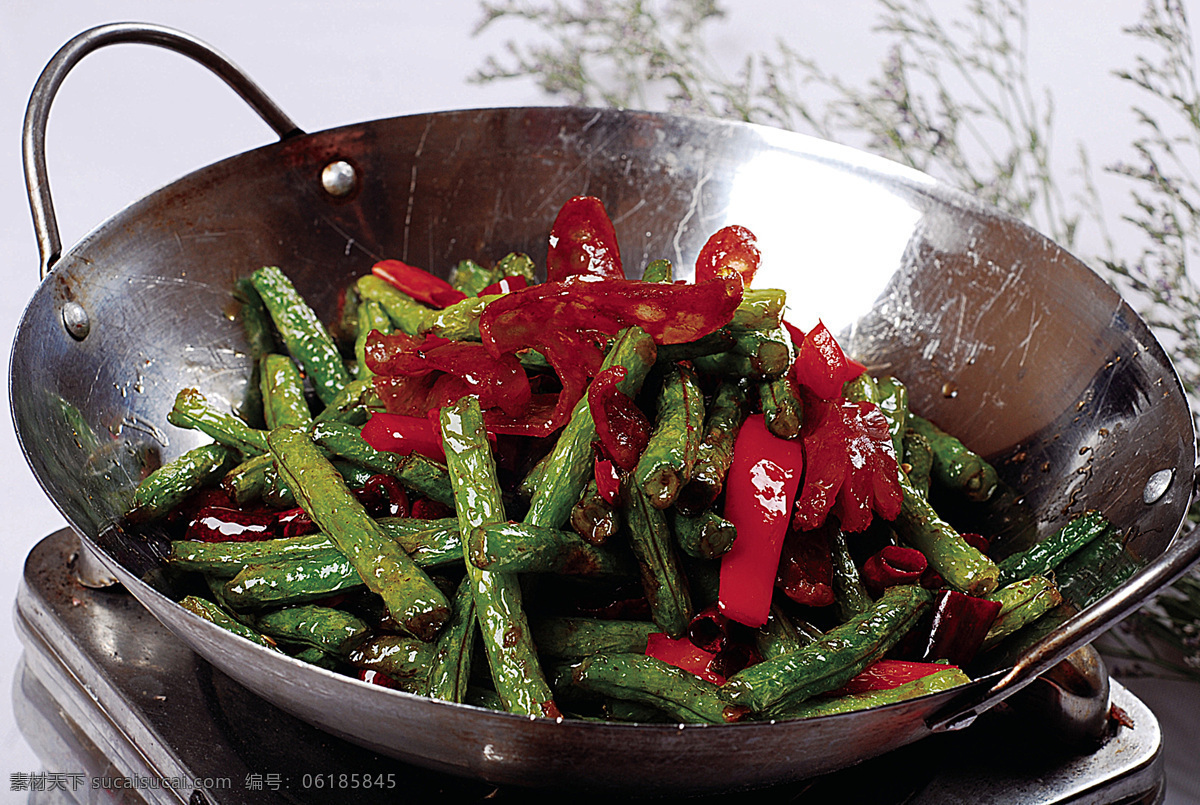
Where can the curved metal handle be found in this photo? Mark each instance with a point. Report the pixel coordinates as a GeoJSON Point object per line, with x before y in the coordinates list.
{"type": "Point", "coordinates": [33, 141]}
{"type": "Point", "coordinates": [1172, 563]}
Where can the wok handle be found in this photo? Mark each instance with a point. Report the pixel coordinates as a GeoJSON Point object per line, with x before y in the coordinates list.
{"type": "Point", "coordinates": [33, 139]}
{"type": "Point", "coordinates": [1180, 555]}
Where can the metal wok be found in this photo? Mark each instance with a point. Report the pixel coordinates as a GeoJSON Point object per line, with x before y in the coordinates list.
{"type": "Point", "coordinates": [1000, 335]}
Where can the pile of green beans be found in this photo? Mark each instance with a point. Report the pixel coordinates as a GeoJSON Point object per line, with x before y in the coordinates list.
{"type": "Point", "coordinates": [489, 604]}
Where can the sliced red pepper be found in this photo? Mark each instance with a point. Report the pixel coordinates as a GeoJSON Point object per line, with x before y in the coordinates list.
{"type": "Point", "coordinates": [404, 394]}
{"type": "Point", "coordinates": [622, 428]}
{"type": "Point", "coordinates": [583, 241]}
{"type": "Point", "coordinates": [729, 251]}
{"type": "Point", "coordinates": [418, 283]}
{"type": "Point", "coordinates": [225, 524]}
{"type": "Point", "coordinates": [960, 623]}
{"type": "Point", "coordinates": [682, 653]}
{"type": "Point", "coordinates": [820, 364]}
{"type": "Point", "coordinates": [888, 674]}
{"type": "Point", "coordinates": [397, 433]}
{"type": "Point", "coordinates": [608, 481]}
{"type": "Point", "coordinates": [892, 565]}
{"type": "Point", "coordinates": [851, 465]}
{"type": "Point", "coordinates": [506, 285]}
{"type": "Point", "coordinates": [759, 491]}
{"type": "Point", "coordinates": [806, 568]}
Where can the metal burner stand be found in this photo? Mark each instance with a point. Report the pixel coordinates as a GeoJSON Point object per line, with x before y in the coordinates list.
{"type": "Point", "coordinates": [121, 712]}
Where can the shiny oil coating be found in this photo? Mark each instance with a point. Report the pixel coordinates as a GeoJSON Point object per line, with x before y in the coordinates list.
{"type": "Point", "coordinates": [999, 335]}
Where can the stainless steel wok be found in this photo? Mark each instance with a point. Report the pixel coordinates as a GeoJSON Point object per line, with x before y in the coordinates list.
{"type": "Point", "coordinates": [1000, 335]}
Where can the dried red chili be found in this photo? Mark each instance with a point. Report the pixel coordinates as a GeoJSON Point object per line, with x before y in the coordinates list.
{"type": "Point", "coordinates": [730, 251]}
{"type": "Point", "coordinates": [960, 623]}
{"type": "Point", "coordinates": [398, 433]}
{"type": "Point", "coordinates": [622, 428]}
{"type": "Point", "coordinates": [224, 524]}
{"type": "Point", "coordinates": [806, 568]}
{"type": "Point", "coordinates": [821, 366]}
{"type": "Point", "coordinates": [583, 241]}
{"type": "Point", "coordinates": [418, 283]}
{"type": "Point", "coordinates": [892, 565]}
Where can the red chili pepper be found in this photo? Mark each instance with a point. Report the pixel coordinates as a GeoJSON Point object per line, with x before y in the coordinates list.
{"type": "Point", "coordinates": [506, 285]}
{"type": "Point", "coordinates": [374, 677]}
{"type": "Point", "coordinates": [851, 463]}
{"type": "Point", "coordinates": [820, 364]}
{"type": "Point", "coordinates": [960, 623]}
{"type": "Point", "coordinates": [709, 629]}
{"type": "Point", "coordinates": [222, 524]}
{"type": "Point", "coordinates": [731, 251]}
{"type": "Point", "coordinates": [608, 481]}
{"type": "Point", "coordinates": [407, 395]}
{"type": "Point", "coordinates": [383, 496]}
{"type": "Point", "coordinates": [759, 490]}
{"type": "Point", "coordinates": [294, 523]}
{"type": "Point", "coordinates": [397, 433]}
{"type": "Point", "coordinates": [891, 566]}
{"type": "Point", "coordinates": [622, 428]}
{"type": "Point", "coordinates": [583, 241]}
{"type": "Point", "coordinates": [418, 283]}
{"type": "Point", "coordinates": [806, 568]}
{"type": "Point", "coordinates": [681, 653]}
{"type": "Point", "coordinates": [888, 674]}
{"type": "Point", "coordinates": [426, 509]}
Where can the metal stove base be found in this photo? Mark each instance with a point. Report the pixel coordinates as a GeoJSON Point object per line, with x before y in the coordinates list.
{"type": "Point", "coordinates": [120, 711]}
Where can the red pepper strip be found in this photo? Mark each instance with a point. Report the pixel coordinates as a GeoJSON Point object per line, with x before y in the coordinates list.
{"type": "Point", "coordinates": [820, 364]}
{"type": "Point", "coordinates": [960, 622]}
{"type": "Point", "coordinates": [888, 674]}
{"type": "Point", "coordinates": [852, 467]}
{"type": "Point", "coordinates": [506, 285]}
{"type": "Point", "coordinates": [608, 482]}
{"type": "Point", "coordinates": [669, 313]}
{"type": "Point", "coordinates": [418, 283]}
{"type": "Point", "coordinates": [574, 360]}
{"type": "Point", "coordinates": [407, 395]}
{"type": "Point", "coordinates": [759, 490]}
{"type": "Point", "coordinates": [583, 242]}
{"type": "Point", "coordinates": [806, 568]}
{"type": "Point", "coordinates": [682, 654]}
{"type": "Point", "coordinates": [397, 433]}
{"type": "Point", "coordinates": [731, 250]}
{"type": "Point", "coordinates": [892, 565]}
{"type": "Point", "coordinates": [223, 524]}
{"type": "Point", "coordinates": [622, 428]}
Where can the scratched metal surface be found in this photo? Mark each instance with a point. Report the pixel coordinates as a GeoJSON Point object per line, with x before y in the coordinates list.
{"type": "Point", "coordinates": [1000, 336]}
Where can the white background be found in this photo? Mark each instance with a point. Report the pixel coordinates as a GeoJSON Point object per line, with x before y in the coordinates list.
{"type": "Point", "coordinates": [131, 119]}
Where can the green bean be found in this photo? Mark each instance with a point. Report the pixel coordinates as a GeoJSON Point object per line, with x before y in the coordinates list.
{"type": "Point", "coordinates": [524, 548]}
{"type": "Point", "coordinates": [460, 321]}
{"type": "Point", "coordinates": [1054, 549]}
{"type": "Point", "coordinates": [260, 341]}
{"type": "Point", "coordinates": [193, 411]}
{"type": "Point", "coordinates": [782, 410]}
{"type": "Point", "coordinates": [471, 278]}
{"type": "Point", "coordinates": [227, 559]}
{"type": "Point", "coordinates": [331, 630]}
{"type": "Point", "coordinates": [593, 518]}
{"type": "Point", "coordinates": [450, 666]}
{"type": "Point", "coordinates": [663, 581]}
{"type": "Point", "coordinates": [925, 686]}
{"type": "Point", "coordinates": [960, 564]}
{"type": "Point", "coordinates": [511, 655]}
{"type": "Point", "coordinates": [760, 309]}
{"type": "Point", "coordinates": [732, 366]}
{"type": "Point", "coordinates": [351, 405]}
{"type": "Point", "coordinates": [404, 311]}
{"type": "Point", "coordinates": [409, 595]}
{"type": "Point", "coordinates": [372, 318]}
{"type": "Point", "coordinates": [770, 352]}
{"type": "Point", "coordinates": [707, 535]}
{"type": "Point", "coordinates": [918, 456]}
{"type": "Point", "coordinates": [247, 481]}
{"type": "Point", "coordinates": [956, 466]}
{"type": "Point", "coordinates": [833, 660]}
{"type": "Point", "coordinates": [848, 588]}
{"type": "Point", "coordinates": [571, 461]}
{"type": "Point", "coordinates": [171, 484]}
{"type": "Point", "coordinates": [302, 332]}
{"type": "Point", "coordinates": [1021, 603]}
{"type": "Point", "coordinates": [430, 543]}
{"type": "Point", "coordinates": [715, 343]}
{"type": "Point", "coordinates": [285, 582]}
{"type": "Point", "coordinates": [667, 461]}
{"type": "Point", "coordinates": [214, 614]}
{"type": "Point", "coordinates": [576, 638]}
{"type": "Point", "coordinates": [715, 454]}
{"type": "Point", "coordinates": [414, 470]}
{"type": "Point", "coordinates": [893, 402]}
{"type": "Point", "coordinates": [404, 660]}
{"type": "Point", "coordinates": [638, 678]}
{"type": "Point", "coordinates": [319, 658]}
{"type": "Point", "coordinates": [516, 264]}
{"type": "Point", "coordinates": [658, 271]}
{"type": "Point", "coordinates": [283, 393]}
{"type": "Point", "coordinates": [781, 635]}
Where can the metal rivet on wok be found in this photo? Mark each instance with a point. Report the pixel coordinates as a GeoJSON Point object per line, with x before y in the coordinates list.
{"type": "Point", "coordinates": [339, 178]}
{"type": "Point", "coordinates": [1157, 486]}
{"type": "Point", "coordinates": [76, 320]}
